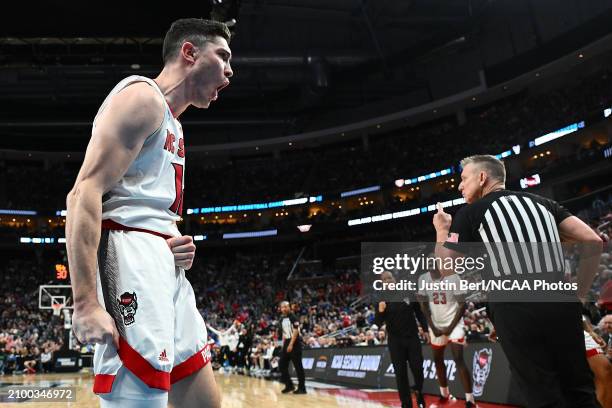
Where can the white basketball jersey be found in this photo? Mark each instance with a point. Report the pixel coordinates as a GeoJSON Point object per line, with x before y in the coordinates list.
{"type": "Point", "coordinates": [442, 303]}
{"type": "Point", "coordinates": [150, 194]}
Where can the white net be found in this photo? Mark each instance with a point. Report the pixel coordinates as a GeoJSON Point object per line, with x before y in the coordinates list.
{"type": "Point", "coordinates": [57, 308]}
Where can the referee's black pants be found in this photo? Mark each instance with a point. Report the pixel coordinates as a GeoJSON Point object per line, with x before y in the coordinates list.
{"type": "Point", "coordinates": [402, 350]}
{"type": "Point", "coordinates": [296, 358]}
{"type": "Point", "coordinates": [544, 344]}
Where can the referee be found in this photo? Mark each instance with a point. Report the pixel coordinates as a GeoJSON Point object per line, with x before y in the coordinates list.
{"type": "Point", "coordinates": [404, 344]}
{"type": "Point", "coordinates": [544, 342]}
{"type": "Point", "coordinates": [292, 350]}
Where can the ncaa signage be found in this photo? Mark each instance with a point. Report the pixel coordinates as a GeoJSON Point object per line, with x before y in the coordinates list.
{"type": "Point", "coordinates": [371, 367]}
{"type": "Point", "coordinates": [429, 369]}
{"type": "Point", "coordinates": [370, 363]}
{"type": "Point", "coordinates": [307, 363]}
{"type": "Point", "coordinates": [390, 371]}
{"type": "Point", "coordinates": [337, 362]}
{"type": "Point", "coordinates": [356, 362]}
{"type": "Point", "coordinates": [321, 363]}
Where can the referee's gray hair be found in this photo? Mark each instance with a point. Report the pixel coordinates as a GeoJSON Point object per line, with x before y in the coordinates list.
{"type": "Point", "coordinates": [490, 164]}
{"type": "Point", "coordinates": [284, 302]}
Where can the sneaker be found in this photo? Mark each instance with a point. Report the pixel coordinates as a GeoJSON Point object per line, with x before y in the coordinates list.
{"type": "Point", "coordinates": [470, 404]}
{"type": "Point", "coordinates": [300, 390]}
{"type": "Point", "coordinates": [287, 389]}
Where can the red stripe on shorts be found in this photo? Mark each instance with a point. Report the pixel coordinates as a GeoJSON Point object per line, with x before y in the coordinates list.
{"type": "Point", "coordinates": [141, 368]}
{"type": "Point", "coordinates": [103, 383]}
{"type": "Point", "coordinates": [112, 225]}
{"type": "Point", "coordinates": [191, 365]}
{"type": "Point", "coordinates": [593, 352]}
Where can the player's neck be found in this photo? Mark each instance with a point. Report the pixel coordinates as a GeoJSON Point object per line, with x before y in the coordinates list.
{"type": "Point", "coordinates": [173, 88]}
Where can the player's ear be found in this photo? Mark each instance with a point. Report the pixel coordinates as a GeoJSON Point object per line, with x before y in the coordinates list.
{"type": "Point", "coordinates": [188, 52]}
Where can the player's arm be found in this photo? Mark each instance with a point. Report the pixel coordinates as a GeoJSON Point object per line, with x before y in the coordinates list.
{"type": "Point", "coordinates": [121, 129]}
{"type": "Point", "coordinates": [458, 316]}
{"type": "Point", "coordinates": [424, 302]}
{"type": "Point", "coordinates": [421, 319]}
{"type": "Point", "coordinates": [573, 230]}
{"type": "Point", "coordinates": [492, 332]}
{"type": "Point", "coordinates": [586, 325]}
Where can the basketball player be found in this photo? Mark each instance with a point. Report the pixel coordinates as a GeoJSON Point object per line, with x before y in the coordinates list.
{"type": "Point", "coordinates": [602, 368]}
{"type": "Point", "coordinates": [443, 310]}
{"type": "Point", "coordinates": [129, 297]}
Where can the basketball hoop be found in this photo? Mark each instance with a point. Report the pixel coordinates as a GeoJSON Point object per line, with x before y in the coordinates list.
{"type": "Point", "coordinates": [57, 308]}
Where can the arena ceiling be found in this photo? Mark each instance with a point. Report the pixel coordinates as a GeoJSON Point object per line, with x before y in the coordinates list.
{"type": "Point", "coordinates": [293, 58]}
{"type": "Point", "coordinates": [300, 65]}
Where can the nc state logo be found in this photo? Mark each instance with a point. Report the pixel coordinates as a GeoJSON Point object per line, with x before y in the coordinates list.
{"type": "Point", "coordinates": [128, 306]}
{"type": "Point", "coordinates": [481, 369]}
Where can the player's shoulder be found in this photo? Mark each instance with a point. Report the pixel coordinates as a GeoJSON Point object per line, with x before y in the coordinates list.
{"type": "Point", "coordinates": [452, 278]}
{"type": "Point", "coordinates": [134, 106]}
{"type": "Point", "coordinates": [140, 94]}
{"type": "Point", "coordinates": [425, 277]}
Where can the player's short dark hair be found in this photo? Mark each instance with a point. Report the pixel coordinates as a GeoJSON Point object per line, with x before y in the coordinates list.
{"type": "Point", "coordinates": [490, 164]}
{"type": "Point", "coordinates": [195, 30]}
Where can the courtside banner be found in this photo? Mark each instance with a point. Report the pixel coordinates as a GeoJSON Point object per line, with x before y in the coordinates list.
{"type": "Point", "coordinates": [486, 362]}
{"type": "Point", "coordinates": [481, 272]}
{"type": "Point", "coordinates": [352, 365]}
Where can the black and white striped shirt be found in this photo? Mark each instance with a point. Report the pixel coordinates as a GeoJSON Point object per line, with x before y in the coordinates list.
{"type": "Point", "coordinates": [527, 221]}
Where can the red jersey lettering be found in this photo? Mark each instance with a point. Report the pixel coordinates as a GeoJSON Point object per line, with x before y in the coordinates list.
{"type": "Point", "coordinates": [181, 148]}
{"type": "Point", "coordinates": [169, 145]}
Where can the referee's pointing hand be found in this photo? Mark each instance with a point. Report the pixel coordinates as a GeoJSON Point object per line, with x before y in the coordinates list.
{"type": "Point", "coordinates": [441, 220]}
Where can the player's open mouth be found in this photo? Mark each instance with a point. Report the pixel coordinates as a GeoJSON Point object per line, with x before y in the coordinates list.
{"type": "Point", "coordinates": [215, 94]}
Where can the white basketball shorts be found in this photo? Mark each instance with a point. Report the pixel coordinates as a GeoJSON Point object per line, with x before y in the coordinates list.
{"type": "Point", "coordinates": [456, 336]}
{"type": "Point", "coordinates": [162, 334]}
{"type": "Point", "coordinates": [591, 346]}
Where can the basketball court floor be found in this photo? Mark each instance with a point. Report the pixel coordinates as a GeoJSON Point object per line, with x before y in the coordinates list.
{"type": "Point", "coordinates": [238, 392]}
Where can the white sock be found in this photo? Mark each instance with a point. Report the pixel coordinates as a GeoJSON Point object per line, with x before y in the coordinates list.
{"type": "Point", "coordinates": [469, 397]}
{"type": "Point", "coordinates": [444, 391]}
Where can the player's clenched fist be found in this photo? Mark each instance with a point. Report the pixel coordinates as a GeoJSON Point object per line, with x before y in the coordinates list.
{"type": "Point", "coordinates": [183, 250]}
{"type": "Point", "coordinates": [93, 324]}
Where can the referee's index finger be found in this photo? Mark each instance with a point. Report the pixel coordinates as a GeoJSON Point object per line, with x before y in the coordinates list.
{"type": "Point", "coordinates": [439, 207]}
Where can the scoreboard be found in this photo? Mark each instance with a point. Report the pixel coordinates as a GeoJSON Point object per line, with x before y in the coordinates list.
{"type": "Point", "coordinates": [61, 272]}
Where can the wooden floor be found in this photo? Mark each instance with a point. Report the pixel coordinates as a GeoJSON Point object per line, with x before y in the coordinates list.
{"type": "Point", "coordinates": [238, 392]}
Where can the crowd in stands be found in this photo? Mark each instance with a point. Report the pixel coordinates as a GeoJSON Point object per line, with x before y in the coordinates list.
{"type": "Point", "coordinates": [238, 293]}
{"type": "Point", "coordinates": [28, 337]}
{"type": "Point", "coordinates": [404, 153]}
